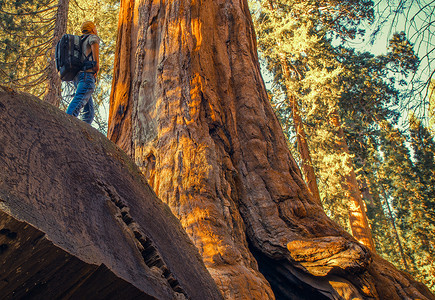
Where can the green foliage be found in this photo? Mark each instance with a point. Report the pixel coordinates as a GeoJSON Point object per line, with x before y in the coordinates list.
{"type": "Point", "coordinates": [424, 161]}
{"type": "Point", "coordinates": [294, 40]}
{"type": "Point", "coordinates": [408, 185]}
{"type": "Point", "coordinates": [296, 34]}
{"type": "Point", "coordinates": [423, 146]}
{"type": "Point", "coordinates": [25, 46]}
{"type": "Point", "coordinates": [382, 221]}
{"type": "Point", "coordinates": [431, 92]}
{"type": "Point", "coordinates": [402, 54]}
{"type": "Point", "coordinates": [27, 27]}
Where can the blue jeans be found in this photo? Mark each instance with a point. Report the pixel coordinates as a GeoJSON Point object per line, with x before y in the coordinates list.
{"type": "Point", "coordinates": [85, 86]}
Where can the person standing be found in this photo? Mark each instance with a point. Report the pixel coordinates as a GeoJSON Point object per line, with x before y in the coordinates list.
{"type": "Point", "coordinates": [84, 82]}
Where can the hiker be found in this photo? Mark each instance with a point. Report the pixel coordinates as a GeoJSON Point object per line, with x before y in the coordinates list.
{"type": "Point", "coordinates": [85, 79]}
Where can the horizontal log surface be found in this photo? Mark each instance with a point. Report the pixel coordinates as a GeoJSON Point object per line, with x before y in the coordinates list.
{"type": "Point", "coordinates": [71, 200]}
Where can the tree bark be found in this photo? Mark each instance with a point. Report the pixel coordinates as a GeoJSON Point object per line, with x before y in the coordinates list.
{"type": "Point", "coordinates": [77, 219]}
{"type": "Point", "coordinates": [393, 222]}
{"type": "Point", "coordinates": [356, 206]}
{"type": "Point", "coordinates": [53, 90]}
{"type": "Point", "coordinates": [189, 104]}
{"type": "Point", "coordinates": [301, 137]}
{"type": "Point", "coordinates": [304, 151]}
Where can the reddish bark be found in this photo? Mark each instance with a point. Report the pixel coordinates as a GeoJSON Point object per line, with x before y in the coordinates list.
{"type": "Point", "coordinates": [203, 131]}
{"type": "Point", "coordinates": [304, 152]}
{"type": "Point", "coordinates": [302, 142]}
{"type": "Point", "coordinates": [356, 206]}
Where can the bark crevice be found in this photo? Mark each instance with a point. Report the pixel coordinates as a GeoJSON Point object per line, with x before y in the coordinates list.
{"type": "Point", "coordinates": [222, 162]}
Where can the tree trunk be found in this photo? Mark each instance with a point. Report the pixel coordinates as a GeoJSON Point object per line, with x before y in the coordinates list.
{"type": "Point", "coordinates": [302, 142]}
{"type": "Point", "coordinates": [189, 104]}
{"type": "Point", "coordinates": [393, 222]}
{"type": "Point", "coordinates": [53, 89]}
{"type": "Point", "coordinates": [304, 151]}
{"type": "Point", "coordinates": [78, 221]}
{"type": "Point", "coordinates": [356, 207]}
{"type": "Point", "coordinates": [365, 191]}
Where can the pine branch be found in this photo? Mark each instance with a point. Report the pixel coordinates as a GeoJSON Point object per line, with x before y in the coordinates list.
{"type": "Point", "coordinates": [32, 13]}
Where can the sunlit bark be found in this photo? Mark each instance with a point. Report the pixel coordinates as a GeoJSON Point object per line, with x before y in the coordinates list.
{"type": "Point", "coordinates": [304, 150]}
{"type": "Point", "coordinates": [189, 104]}
{"type": "Point", "coordinates": [356, 206]}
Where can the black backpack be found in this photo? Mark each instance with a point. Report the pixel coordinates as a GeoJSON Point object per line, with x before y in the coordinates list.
{"type": "Point", "coordinates": [69, 56]}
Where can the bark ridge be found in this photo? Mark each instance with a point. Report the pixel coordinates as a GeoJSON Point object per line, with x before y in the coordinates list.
{"type": "Point", "coordinates": [189, 105]}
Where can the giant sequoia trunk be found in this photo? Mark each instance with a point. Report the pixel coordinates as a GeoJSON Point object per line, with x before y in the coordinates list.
{"type": "Point", "coordinates": [189, 104]}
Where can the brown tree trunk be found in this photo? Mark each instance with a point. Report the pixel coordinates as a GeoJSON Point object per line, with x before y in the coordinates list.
{"type": "Point", "coordinates": [189, 104]}
{"type": "Point", "coordinates": [365, 191]}
{"type": "Point", "coordinates": [304, 151]}
{"type": "Point", "coordinates": [356, 206]}
{"type": "Point", "coordinates": [53, 90]}
{"type": "Point", "coordinates": [396, 234]}
{"type": "Point", "coordinates": [77, 221]}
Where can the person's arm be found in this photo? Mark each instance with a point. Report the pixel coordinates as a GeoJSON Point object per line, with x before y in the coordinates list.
{"type": "Point", "coordinates": [96, 56]}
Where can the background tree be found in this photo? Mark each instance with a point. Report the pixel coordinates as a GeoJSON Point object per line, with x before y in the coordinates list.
{"type": "Point", "coordinates": [423, 146]}
{"type": "Point", "coordinates": [27, 41]}
{"type": "Point", "coordinates": [366, 91]}
{"type": "Point", "coordinates": [53, 90]}
{"type": "Point", "coordinates": [397, 180]}
{"type": "Point", "coordinates": [415, 18]}
{"type": "Point", "coordinates": [295, 37]}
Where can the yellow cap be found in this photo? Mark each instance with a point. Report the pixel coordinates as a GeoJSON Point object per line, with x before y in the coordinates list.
{"type": "Point", "coordinates": [87, 27]}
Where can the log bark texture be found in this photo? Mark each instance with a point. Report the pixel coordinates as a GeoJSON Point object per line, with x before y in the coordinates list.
{"type": "Point", "coordinates": [189, 104]}
{"type": "Point", "coordinates": [78, 220]}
